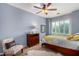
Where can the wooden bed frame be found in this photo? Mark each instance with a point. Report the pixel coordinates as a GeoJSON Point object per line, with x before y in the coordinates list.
{"type": "Point", "coordinates": [62, 50]}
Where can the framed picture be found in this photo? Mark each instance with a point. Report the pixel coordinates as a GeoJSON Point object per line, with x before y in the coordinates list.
{"type": "Point", "coordinates": [43, 28]}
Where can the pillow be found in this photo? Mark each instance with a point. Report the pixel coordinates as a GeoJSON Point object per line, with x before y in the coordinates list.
{"type": "Point", "coordinates": [48, 38]}
{"type": "Point", "coordinates": [10, 44]}
{"type": "Point", "coordinates": [76, 38]}
{"type": "Point", "coordinates": [70, 37]}
{"type": "Point", "coordinates": [77, 33]}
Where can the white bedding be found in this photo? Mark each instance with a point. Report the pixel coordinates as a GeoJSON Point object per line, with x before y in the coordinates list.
{"type": "Point", "coordinates": [64, 43]}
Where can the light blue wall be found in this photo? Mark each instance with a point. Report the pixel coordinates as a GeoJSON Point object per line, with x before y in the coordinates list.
{"type": "Point", "coordinates": [75, 22]}
{"type": "Point", "coordinates": [15, 23]}
{"type": "Point", "coordinates": [74, 18]}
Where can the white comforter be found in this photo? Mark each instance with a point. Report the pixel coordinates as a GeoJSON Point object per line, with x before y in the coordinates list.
{"type": "Point", "coordinates": [64, 43]}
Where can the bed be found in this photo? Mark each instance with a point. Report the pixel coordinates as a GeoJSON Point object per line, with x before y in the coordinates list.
{"type": "Point", "coordinates": [62, 45]}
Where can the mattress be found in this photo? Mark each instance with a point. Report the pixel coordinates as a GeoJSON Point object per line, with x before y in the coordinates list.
{"type": "Point", "coordinates": [63, 43]}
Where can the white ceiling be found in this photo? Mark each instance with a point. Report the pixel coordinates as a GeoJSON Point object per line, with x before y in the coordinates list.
{"type": "Point", "coordinates": [62, 8]}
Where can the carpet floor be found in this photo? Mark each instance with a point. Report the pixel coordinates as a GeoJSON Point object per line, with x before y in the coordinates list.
{"type": "Point", "coordinates": [37, 50]}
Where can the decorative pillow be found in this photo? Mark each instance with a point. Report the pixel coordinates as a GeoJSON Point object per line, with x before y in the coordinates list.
{"type": "Point", "coordinates": [48, 38]}
{"type": "Point", "coordinates": [70, 37]}
{"type": "Point", "coordinates": [10, 44]}
{"type": "Point", "coordinates": [77, 33]}
{"type": "Point", "coordinates": [76, 38]}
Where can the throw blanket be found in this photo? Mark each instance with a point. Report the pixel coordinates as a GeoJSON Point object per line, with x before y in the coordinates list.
{"type": "Point", "coordinates": [62, 42]}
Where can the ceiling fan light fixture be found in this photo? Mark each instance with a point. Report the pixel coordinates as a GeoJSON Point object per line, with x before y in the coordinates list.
{"type": "Point", "coordinates": [45, 11]}
{"type": "Point", "coordinates": [44, 8]}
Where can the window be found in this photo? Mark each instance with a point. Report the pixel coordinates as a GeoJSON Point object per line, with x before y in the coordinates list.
{"type": "Point", "coordinates": [60, 27]}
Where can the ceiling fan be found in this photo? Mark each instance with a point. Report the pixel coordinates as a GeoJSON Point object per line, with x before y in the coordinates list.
{"type": "Point", "coordinates": [44, 8]}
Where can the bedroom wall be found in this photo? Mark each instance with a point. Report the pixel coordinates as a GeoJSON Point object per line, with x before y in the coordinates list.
{"type": "Point", "coordinates": [75, 22]}
{"type": "Point", "coordinates": [74, 18]}
{"type": "Point", "coordinates": [15, 23]}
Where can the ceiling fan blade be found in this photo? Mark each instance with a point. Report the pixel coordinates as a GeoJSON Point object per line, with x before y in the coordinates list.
{"type": "Point", "coordinates": [52, 9]}
{"type": "Point", "coordinates": [37, 7]}
{"type": "Point", "coordinates": [48, 4]}
{"type": "Point", "coordinates": [43, 6]}
{"type": "Point", "coordinates": [38, 12]}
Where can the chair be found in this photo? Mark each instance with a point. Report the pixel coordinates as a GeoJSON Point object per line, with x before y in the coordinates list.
{"type": "Point", "coordinates": [10, 47]}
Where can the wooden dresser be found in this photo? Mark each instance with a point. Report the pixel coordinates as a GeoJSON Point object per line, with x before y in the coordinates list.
{"type": "Point", "coordinates": [32, 39]}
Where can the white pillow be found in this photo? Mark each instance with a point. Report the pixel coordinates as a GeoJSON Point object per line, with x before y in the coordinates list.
{"type": "Point", "coordinates": [6, 41]}
{"type": "Point", "coordinates": [77, 33]}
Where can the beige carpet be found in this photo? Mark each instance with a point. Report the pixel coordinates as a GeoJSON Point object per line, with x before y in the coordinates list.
{"type": "Point", "coordinates": [37, 50]}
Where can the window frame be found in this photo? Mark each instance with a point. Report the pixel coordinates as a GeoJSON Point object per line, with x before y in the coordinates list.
{"type": "Point", "coordinates": [59, 27]}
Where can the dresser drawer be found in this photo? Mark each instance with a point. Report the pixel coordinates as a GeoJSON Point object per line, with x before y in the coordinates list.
{"type": "Point", "coordinates": [32, 39]}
